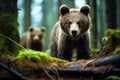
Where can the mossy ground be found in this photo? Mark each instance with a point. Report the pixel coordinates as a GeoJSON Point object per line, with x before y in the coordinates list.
{"type": "Point", "coordinates": [29, 59]}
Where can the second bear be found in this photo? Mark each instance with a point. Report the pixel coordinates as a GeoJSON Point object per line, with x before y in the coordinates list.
{"type": "Point", "coordinates": [33, 39]}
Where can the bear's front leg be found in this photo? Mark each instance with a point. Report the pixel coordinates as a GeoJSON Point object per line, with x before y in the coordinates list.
{"type": "Point", "coordinates": [53, 49]}
{"type": "Point", "coordinates": [83, 48]}
{"type": "Point", "coordinates": [65, 54]}
{"type": "Point", "coordinates": [83, 51]}
{"type": "Point", "coordinates": [64, 50]}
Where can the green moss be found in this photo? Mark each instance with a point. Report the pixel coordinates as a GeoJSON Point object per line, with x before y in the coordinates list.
{"type": "Point", "coordinates": [9, 28]}
{"type": "Point", "coordinates": [109, 32]}
{"type": "Point", "coordinates": [37, 56]}
{"type": "Point", "coordinates": [26, 64]}
{"type": "Point", "coordinates": [113, 36]}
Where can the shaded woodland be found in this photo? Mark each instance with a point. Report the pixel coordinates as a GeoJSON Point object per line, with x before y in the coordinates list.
{"type": "Point", "coordinates": [17, 15]}
{"type": "Point", "coordinates": [103, 16]}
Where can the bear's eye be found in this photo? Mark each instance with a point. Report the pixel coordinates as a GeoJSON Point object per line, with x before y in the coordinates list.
{"type": "Point", "coordinates": [79, 23]}
{"type": "Point", "coordinates": [68, 23]}
{"type": "Point", "coordinates": [40, 36]}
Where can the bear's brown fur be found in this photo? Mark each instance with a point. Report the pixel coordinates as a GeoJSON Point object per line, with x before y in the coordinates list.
{"type": "Point", "coordinates": [70, 33]}
{"type": "Point", "coordinates": [33, 39]}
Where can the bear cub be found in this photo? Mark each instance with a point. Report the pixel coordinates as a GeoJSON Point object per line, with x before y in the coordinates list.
{"type": "Point", "coordinates": [71, 33]}
{"type": "Point", "coordinates": [33, 39]}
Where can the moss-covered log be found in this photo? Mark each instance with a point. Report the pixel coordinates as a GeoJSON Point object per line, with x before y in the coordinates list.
{"type": "Point", "coordinates": [98, 69]}
{"type": "Point", "coordinates": [8, 26]}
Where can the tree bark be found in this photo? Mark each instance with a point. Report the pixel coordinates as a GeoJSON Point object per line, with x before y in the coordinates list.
{"type": "Point", "coordinates": [111, 14]}
{"type": "Point", "coordinates": [48, 20]}
{"type": "Point", "coordinates": [97, 73]}
{"type": "Point", "coordinates": [8, 26]}
{"type": "Point", "coordinates": [94, 24]}
{"type": "Point", "coordinates": [118, 13]}
{"type": "Point", "coordinates": [113, 60]}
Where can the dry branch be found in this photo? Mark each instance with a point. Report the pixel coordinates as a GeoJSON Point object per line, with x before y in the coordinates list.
{"type": "Point", "coordinates": [13, 72]}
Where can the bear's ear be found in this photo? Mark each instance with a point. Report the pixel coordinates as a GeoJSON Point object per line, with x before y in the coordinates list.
{"type": "Point", "coordinates": [85, 9]}
{"type": "Point", "coordinates": [43, 29]}
{"type": "Point", "coordinates": [31, 29]}
{"type": "Point", "coordinates": [64, 9]}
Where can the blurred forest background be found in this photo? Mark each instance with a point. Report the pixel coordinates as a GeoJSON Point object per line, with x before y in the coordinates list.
{"type": "Point", "coordinates": [37, 13]}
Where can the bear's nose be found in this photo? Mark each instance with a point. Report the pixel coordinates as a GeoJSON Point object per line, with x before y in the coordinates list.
{"type": "Point", "coordinates": [74, 32]}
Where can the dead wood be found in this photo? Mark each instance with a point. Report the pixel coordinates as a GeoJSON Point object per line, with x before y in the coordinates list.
{"type": "Point", "coordinates": [13, 72]}
{"type": "Point", "coordinates": [112, 60]}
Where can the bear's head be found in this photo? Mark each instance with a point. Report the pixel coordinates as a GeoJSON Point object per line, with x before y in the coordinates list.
{"type": "Point", "coordinates": [74, 22]}
{"type": "Point", "coordinates": [36, 35]}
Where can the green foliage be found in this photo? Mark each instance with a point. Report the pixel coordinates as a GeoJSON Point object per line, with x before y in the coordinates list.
{"type": "Point", "coordinates": [74, 58]}
{"type": "Point", "coordinates": [112, 44]}
{"type": "Point", "coordinates": [113, 78]}
{"type": "Point", "coordinates": [94, 51]}
{"type": "Point", "coordinates": [112, 36]}
{"type": "Point", "coordinates": [37, 56]}
{"type": "Point", "coordinates": [113, 33]}
{"type": "Point", "coordinates": [104, 39]}
{"type": "Point", "coordinates": [116, 51]}
{"type": "Point", "coordinates": [109, 32]}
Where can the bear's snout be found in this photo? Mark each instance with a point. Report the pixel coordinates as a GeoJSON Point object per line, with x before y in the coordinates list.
{"type": "Point", "coordinates": [74, 32]}
{"type": "Point", "coordinates": [74, 29]}
{"type": "Point", "coordinates": [36, 38]}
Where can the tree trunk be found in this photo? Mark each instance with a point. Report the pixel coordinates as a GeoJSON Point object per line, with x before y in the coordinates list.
{"type": "Point", "coordinates": [111, 14]}
{"type": "Point", "coordinates": [27, 14]}
{"type": "Point", "coordinates": [118, 13]}
{"type": "Point", "coordinates": [48, 19]}
{"type": "Point", "coordinates": [8, 26]}
{"type": "Point", "coordinates": [59, 4]}
{"type": "Point", "coordinates": [94, 24]}
{"type": "Point", "coordinates": [70, 4]}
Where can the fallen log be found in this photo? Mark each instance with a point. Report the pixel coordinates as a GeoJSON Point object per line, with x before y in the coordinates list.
{"type": "Point", "coordinates": [95, 72]}
{"type": "Point", "coordinates": [113, 60]}
{"type": "Point", "coordinates": [73, 70]}
{"type": "Point", "coordinates": [109, 60]}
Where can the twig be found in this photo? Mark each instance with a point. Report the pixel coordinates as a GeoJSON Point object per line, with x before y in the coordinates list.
{"type": "Point", "coordinates": [54, 71]}
{"type": "Point", "coordinates": [47, 74]}
{"type": "Point", "coordinates": [13, 72]}
{"type": "Point", "coordinates": [12, 41]}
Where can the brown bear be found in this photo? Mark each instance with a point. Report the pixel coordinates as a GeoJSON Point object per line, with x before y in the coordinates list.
{"type": "Point", "coordinates": [33, 39]}
{"type": "Point", "coordinates": [71, 33]}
